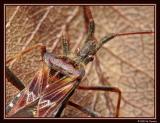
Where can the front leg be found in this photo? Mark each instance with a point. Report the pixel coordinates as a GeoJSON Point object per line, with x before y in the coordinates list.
{"type": "Point", "coordinates": [41, 46]}
{"type": "Point", "coordinates": [89, 23]}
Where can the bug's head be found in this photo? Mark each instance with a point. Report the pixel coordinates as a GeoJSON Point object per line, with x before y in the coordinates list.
{"type": "Point", "coordinates": [89, 49]}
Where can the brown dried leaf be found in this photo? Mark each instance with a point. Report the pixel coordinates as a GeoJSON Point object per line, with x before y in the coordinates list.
{"type": "Point", "coordinates": [126, 62]}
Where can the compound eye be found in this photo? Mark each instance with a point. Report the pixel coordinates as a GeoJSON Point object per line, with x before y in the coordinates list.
{"type": "Point", "coordinates": [90, 57]}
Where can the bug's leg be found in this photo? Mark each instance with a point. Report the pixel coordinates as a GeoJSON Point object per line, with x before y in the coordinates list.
{"type": "Point", "coordinates": [10, 75]}
{"type": "Point", "coordinates": [83, 109]}
{"type": "Point", "coordinates": [43, 50]}
{"type": "Point", "coordinates": [89, 22]}
{"type": "Point", "coordinates": [111, 89]}
{"type": "Point", "coordinates": [13, 79]}
{"type": "Point", "coordinates": [65, 43]}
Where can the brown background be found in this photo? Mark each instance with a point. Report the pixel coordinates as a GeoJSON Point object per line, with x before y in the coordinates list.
{"type": "Point", "coordinates": [126, 62]}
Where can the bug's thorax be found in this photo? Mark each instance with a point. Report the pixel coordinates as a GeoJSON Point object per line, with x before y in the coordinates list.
{"type": "Point", "coordinates": [64, 66]}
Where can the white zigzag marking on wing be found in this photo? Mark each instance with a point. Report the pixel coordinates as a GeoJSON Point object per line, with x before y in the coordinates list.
{"type": "Point", "coordinates": [47, 103]}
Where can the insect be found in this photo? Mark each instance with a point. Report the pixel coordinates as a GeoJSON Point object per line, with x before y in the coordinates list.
{"type": "Point", "coordinates": [53, 85]}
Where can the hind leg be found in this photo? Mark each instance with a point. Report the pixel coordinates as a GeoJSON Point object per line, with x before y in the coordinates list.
{"type": "Point", "coordinates": [105, 88]}
{"type": "Point", "coordinates": [83, 109]}
{"type": "Point", "coordinates": [13, 79]}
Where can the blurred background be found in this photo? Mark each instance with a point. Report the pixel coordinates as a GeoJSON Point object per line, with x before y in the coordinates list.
{"type": "Point", "coordinates": [126, 62]}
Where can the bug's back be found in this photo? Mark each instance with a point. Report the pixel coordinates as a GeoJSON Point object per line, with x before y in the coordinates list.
{"type": "Point", "coordinates": [46, 92]}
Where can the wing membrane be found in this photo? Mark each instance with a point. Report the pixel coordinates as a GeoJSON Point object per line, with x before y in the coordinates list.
{"type": "Point", "coordinates": [40, 98]}
{"type": "Point", "coordinates": [31, 93]}
{"type": "Point", "coordinates": [53, 97]}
